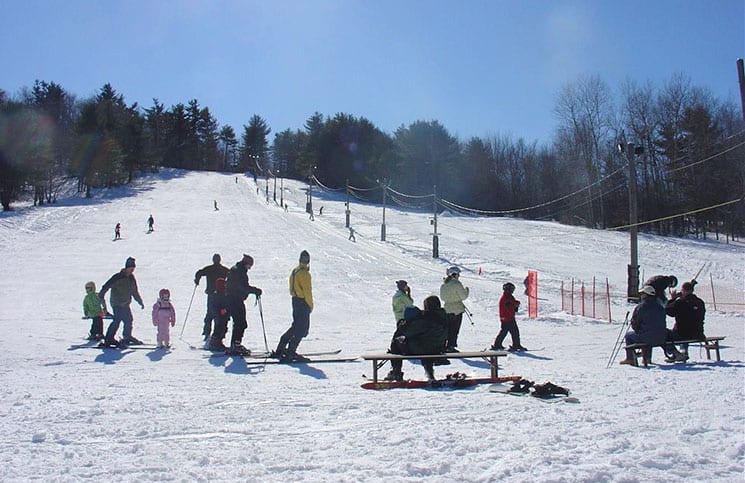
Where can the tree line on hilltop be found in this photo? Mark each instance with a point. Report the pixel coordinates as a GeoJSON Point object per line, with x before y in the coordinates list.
{"type": "Point", "coordinates": [690, 155]}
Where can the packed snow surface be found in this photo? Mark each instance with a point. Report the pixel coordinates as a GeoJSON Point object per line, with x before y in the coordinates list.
{"type": "Point", "coordinates": [150, 415]}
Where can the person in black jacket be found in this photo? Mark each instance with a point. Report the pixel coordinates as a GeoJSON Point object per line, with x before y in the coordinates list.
{"type": "Point", "coordinates": [689, 312]}
{"type": "Point", "coordinates": [660, 284]}
{"type": "Point", "coordinates": [238, 291]}
{"type": "Point", "coordinates": [422, 332]}
{"type": "Point", "coordinates": [218, 306]}
{"type": "Point", "coordinates": [211, 273]}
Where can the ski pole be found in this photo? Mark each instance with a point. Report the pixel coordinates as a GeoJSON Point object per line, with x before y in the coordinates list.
{"type": "Point", "coordinates": [468, 313]}
{"type": "Point", "coordinates": [263, 327]}
{"type": "Point", "coordinates": [187, 311]}
{"type": "Point", "coordinates": [699, 272]}
{"type": "Point", "coordinates": [617, 345]}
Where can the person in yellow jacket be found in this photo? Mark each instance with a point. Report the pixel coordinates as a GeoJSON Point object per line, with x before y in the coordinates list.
{"type": "Point", "coordinates": [453, 293]}
{"type": "Point", "coordinates": [302, 305]}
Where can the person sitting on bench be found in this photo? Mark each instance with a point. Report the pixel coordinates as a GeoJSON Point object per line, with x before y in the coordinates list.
{"type": "Point", "coordinates": [689, 312]}
{"type": "Point", "coordinates": [648, 327]}
{"type": "Point", "coordinates": [422, 332]}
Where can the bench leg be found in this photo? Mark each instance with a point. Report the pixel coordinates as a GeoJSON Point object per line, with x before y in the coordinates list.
{"type": "Point", "coordinates": [375, 370]}
{"type": "Point", "coordinates": [494, 366]}
{"type": "Point", "coordinates": [634, 358]}
{"type": "Point", "coordinates": [709, 346]}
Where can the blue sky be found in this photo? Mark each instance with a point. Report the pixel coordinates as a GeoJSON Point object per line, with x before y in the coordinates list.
{"type": "Point", "coordinates": [478, 67]}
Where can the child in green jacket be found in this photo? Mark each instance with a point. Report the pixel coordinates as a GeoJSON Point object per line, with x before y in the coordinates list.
{"type": "Point", "coordinates": [94, 310]}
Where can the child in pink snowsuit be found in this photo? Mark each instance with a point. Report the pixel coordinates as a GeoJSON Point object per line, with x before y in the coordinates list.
{"type": "Point", "coordinates": [164, 315]}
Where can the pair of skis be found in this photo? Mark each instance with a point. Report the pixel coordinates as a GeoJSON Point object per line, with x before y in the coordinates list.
{"type": "Point", "coordinates": [265, 357]}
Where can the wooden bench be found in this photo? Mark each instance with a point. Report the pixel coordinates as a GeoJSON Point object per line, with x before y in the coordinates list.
{"type": "Point", "coordinates": [490, 356]}
{"type": "Point", "coordinates": [645, 350]}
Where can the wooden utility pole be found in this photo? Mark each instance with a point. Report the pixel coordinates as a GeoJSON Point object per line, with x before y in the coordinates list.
{"type": "Point", "coordinates": [633, 269]}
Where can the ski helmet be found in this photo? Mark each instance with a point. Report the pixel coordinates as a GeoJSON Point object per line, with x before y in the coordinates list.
{"type": "Point", "coordinates": [508, 287]}
{"type": "Point", "coordinates": [453, 271]}
{"type": "Point", "coordinates": [164, 294]}
{"type": "Point", "coordinates": [648, 290]}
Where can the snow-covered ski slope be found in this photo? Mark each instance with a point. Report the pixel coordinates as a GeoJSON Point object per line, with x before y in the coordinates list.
{"type": "Point", "coordinates": [87, 415]}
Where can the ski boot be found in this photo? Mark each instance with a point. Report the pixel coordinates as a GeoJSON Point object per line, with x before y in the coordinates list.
{"type": "Point", "coordinates": [394, 375]}
{"type": "Point", "coordinates": [238, 350]}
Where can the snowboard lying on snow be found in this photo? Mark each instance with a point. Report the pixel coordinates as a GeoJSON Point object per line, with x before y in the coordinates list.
{"type": "Point", "coordinates": [451, 381]}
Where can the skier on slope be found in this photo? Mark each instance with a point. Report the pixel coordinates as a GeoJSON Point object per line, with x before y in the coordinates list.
{"type": "Point", "coordinates": [93, 309]}
{"type": "Point", "coordinates": [164, 315]}
{"type": "Point", "coordinates": [301, 290]}
{"type": "Point", "coordinates": [218, 305]}
{"type": "Point", "coordinates": [508, 306]}
{"type": "Point", "coordinates": [123, 286]}
{"type": "Point", "coordinates": [211, 273]}
{"type": "Point", "coordinates": [238, 291]}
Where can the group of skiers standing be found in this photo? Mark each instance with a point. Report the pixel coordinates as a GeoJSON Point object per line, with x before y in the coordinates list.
{"type": "Point", "coordinates": [435, 329]}
{"type": "Point", "coordinates": [227, 291]}
{"type": "Point", "coordinates": [648, 320]}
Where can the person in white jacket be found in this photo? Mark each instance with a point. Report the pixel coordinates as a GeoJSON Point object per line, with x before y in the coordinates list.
{"type": "Point", "coordinates": [453, 293]}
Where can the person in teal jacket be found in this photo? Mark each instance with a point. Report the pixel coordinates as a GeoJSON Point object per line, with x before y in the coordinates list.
{"type": "Point", "coordinates": [401, 300]}
{"type": "Point", "coordinates": [93, 309]}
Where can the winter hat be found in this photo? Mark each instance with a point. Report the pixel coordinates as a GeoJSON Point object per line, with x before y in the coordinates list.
{"type": "Point", "coordinates": [216, 258]}
{"type": "Point", "coordinates": [304, 257]}
{"type": "Point", "coordinates": [508, 287]}
{"type": "Point", "coordinates": [164, 294]}
{"type": "Point", "coordinates": [130, 263]}
{"type": "Point", "coordinates": [401, 284]}
{"type": "Point", "coordinates": [248, 259]}
{"type": "Point", "coordinates": [220, 284]}
{"type": "Point", "coordinates": [432, 303]}
{"type": "Point", "coordinates": [687, 286]}
{"type": "Point", "coordinates": [90, 285]}
{"type": "Point", "coordinates": [648, 290]}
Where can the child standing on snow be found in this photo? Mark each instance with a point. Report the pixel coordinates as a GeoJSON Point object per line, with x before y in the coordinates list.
{"type": "Point", "coordinates": [93, 309]}
{"type": "Point", "coordinates": [164, 315]}
{"type": "Point", "coordinates": [507, 309]}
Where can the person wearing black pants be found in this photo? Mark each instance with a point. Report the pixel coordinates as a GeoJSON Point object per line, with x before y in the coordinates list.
{"type": "Point", "coordinates": [211, 273]}
{"type": "Point", "coordinates": [238, 291]}
{"type": "Point", "coordinates": [302, 305]}
{"type": "Point", "coordinates": [508, 306]}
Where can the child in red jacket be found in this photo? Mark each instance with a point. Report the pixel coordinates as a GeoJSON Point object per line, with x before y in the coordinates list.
{"type": "Point", "coordinates": [508, 306]}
